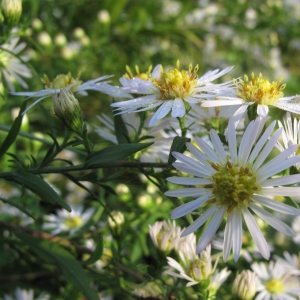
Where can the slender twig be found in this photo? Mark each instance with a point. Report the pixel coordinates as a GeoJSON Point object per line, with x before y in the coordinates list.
{"type": "Point", "coordinates": [28, 276]}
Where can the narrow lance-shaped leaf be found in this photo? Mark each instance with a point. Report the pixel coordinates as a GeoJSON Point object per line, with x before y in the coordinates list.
{"type": "Point", "coordinates": [178, 145]}
{"type": "Point", "coordinates": [13, 132]}
{"type": "Point", "coordinates": [114, 153]}
{"type": "Point", "coordinates": [71, 268]}
{"type": "Point", "coordinates": [39, 187]}
{"type": "Point", "coordinates": [120, 130]}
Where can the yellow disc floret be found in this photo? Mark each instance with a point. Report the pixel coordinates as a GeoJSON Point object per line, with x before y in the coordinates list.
{"type": "Point", "coordinates": [259, 90]}
{"type": "Point", "coordinates": [176, 83]}
{"type": "Point", "coordinates": [233, 185]}
{"type": "Point", "coordinates": [62, 81]}
{"type": "Point", "coordinates": [144, 76]}
{"type": "Point", "coordinates": [274, 286]}
{"type": "Point", "coordinates": [73, 222]}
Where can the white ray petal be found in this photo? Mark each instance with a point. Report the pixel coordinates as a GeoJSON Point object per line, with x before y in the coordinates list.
{"type": "Point", "coordinates": [188, 192]}
{"type": "Point", "coordinates": [183, 168]}
{"type": "Point", "coordinates": [216, 103]}
{"type": "Point", "coordinates": [284, 180]}
{"type": "Point", "coordinates": [262, 110]}
{"type": "Point", "coordinates": [188, 181]}
{"type": "Point", "coordinates": [209, 152]}
{"type": "Point", "coordinates": [256, 234]}
{"type": "Point", "coordinates": [280, 191]}
{"type": "Point", "coordinates": [200, 221]}
{"type": "Point", "coordinates": [211, 229]}
{"type": "Point", "coordinates": [188, 207]}
{"type": "Point", "coordinates": [272, 220]}
{"type": "Point", "coordinates": [232, 141]}
{"type": "Point", "coordinates": [178, 109]}
{"type": "Point", "coordinates": [162, 111]}
{"type": "Point", "coordinates": [227, 242]}
{"type": "Point", "coordinates": [277, 206]}
{"type": "Point", "coordinates": [237, 234]}
{"type": "Point", "coordinates": [218, 145]}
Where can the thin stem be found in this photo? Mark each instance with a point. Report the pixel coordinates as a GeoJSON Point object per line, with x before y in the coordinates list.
{"type": "Point", "coordinates": [182, 126]}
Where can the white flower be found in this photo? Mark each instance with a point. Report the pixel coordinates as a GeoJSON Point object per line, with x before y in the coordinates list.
{"type": "Point", "coordinates": [12, 67]}
{"type": "Point", "coordinates": [218, 278]}
{"type": "Point", "coordinates": [69, 83]}
{"type": "Point", "coordinates": [16, 216]}
{"type": "Point", "coordinates": [158, 152]}
{"type": "Point", "coordinates": [276, 282]}
{"type": "Point", "coordinates": [26, 295]}
{"type": "Point", "coordinates": [291, 261]}
{"type": "Point", "coordinates": [245, 285]}
{"type": "Point", "coordinates": [258, 91]}
{"type": "Point", "coordinates": [171, 91]}
{"type": "Point", "coordinates": [232, 183]}
{"type": "Point", "coordinates": [193, 268]}
{"type": "Point", "coordinates": [68, 221]}
{"type": "Point", "coordinates": [165, 235]}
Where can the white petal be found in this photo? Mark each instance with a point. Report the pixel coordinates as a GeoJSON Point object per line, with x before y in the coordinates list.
{"type": "Point", "coordinates": [218, 145]}
{"type": "Point", "coordinates": [237, 234]}
{"type": "Point", "coordinates": [262, 110]}
{"type": "Point", "coordinates": [280, 191]}
{"type": "Point", "coordinates": [200, 221]}
{"type": "Point", "coordinates": [178, 109]}
{"type": "Point", "coordinates": [215, 103]}
{"type": "Point", "coordinates": [188, 207]}
{"type": "Point", "coordinates": [227, 242]}
{"type": "Point", "coordinates": [275, 205]}
{"type": "Point", "coordinates": [211, 229]}
{"type": "Point", "coordinates": [272, 220]}
{"type": "Point", "coordinates": [261, 142]}
{"type": "Point", "coordinates": [288, 104]}
{"type": "Point", "coordinates": [209, 152]}
{"type": "Point", "coordinates": [157, 71]}
{"type": "Point", "coordinates": [232, 141]}
{"type": "Point", "coordinates": [162, 111]}
{"type": "Point", "coordinates": [188, 192]}
{"type": "Point", "coordinates": [256, 234]}
{"type": "Point", "coordinates": [183, 168]}
{"type": "Point", "coordinates": [188, 181]}
{"type": "Point", "coordinates": [247, 143]}
{"type": "Point", "coordinates": [284, 180]}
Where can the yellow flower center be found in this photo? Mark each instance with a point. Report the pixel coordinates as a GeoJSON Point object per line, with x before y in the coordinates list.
{"type": "Point", "coordinates": [176, 83]}
{"type": "Point", "coordinates": [259, 90]}
{"type": "Point", "coordinates": [73, 222]}
{"type": "Point", "coordinates": [144, 76]}
{"type": "Point", "coordinates": [160, 237]}
{"type": "Point", "coordinates": [61, 81]}
{"type": "Point", "coordinates": [197, 269]}
{"type": "Point", "coordinates": [233, 186]}
{"type": "Point", "coordinates": [274, 286]}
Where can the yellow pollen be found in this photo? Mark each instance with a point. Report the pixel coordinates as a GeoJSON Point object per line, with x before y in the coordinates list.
{"type": "Point", "coordinates": [233, 185]}
{"type": "Point", "coordinates": [144, 76]}
{"type": "Point", "coordinates": [176, 83]}
{"type": "Point", "coordinates": [73, 222]}
{"type": "Point", "coordinates": [274, 286]}
{"type": "Point", "coordinates": [259, 90]}
{"type": "Point", "coordinates": [62, 81]}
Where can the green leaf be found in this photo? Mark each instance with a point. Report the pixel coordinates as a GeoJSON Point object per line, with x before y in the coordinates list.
{"type": "Point", "coordinates": [39, 187]}
{"type": "Point", "coordinates": [13, 132]}
{"type": "Point", "coordinates": [178, 145]}
{"type": "Point", "coordinates": [52, 252]}
{"type": "Point", "coordinates": [114, 153]}
{"type": "Point", "coordinates": [120, 130]}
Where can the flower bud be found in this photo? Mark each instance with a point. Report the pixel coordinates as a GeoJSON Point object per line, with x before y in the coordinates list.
{"type": "Point", "coordinates": [67, 108]}
{"type": "Point", "coordinates": [116, 221]}
{"type": "Point", "coordinates": [12, 10]}
{"type": "Point", "coordinates": [245, 285]}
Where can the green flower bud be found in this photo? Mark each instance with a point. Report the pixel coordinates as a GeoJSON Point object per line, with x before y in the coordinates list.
{"type": "Point", "coordinates": [245, 285]}
{"type": "Point", "coordinates": [67, 108]}
{"type": "Point", "coordinates": [116, 222]}
{"type": "Point", "coordinates": [12, 10]}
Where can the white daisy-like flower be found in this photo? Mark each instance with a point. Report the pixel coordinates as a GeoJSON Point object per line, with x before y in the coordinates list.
{"type": "Point", "coordinates": [232, 183]}
{"type": "Point", "coordinates": [165, 235]}
{"type": "Point", "coordinates": [26, 295]}
{"type": "Point", "coordinates": [218, 278]}
{"type": "Point", "coordinates": [245, 285]}
{"type": "Point", "coordinates": [68, 221]}
{"type": "Point", "coordinates": [69, 83]}
{"type": "Point", "coordinates": [170, 91]}
{"type": "Point", "coordinates": [260, 91]}
{"type": "Point", "coordinates": [296, 228]}
{"type": "Point", "coordinates": [158, 152]}
{"type": "Point", "coordinates": [276, 282]}
{"type": "Point", "coordinates": [12, 67]}
{"type": "Point", "coordinates": [291, 261]}
{"type": "Point", "coordinates": [194, 268]}
{"type": "Point", "coordinates": [16, 215]}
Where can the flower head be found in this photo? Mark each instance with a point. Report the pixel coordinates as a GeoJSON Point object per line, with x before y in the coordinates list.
{"type": "Point", "coordinates": [259, 91]}
{"type": "Point", "coordinates": [68, 82]}
{"type": "Point", "coordinates": [26, 295]}
{"type": "Point", "coordinates": [165, 235]}
{"type": "Point", "coordinates": [12, 68]}
{"type": "Point", "coordinates": [276, 281]}
{"type": "Point", "coordinates": [245, 285]}
{"type": "Point", "coordinates": [12, 10]}
{"type": "Point", "coordinates": [68, 221]}
{"type": "Point", "coordinates": [229, 184]}
{"type": "Point", "coordinates": [67, 108]}
{"type": "Point", "coordinates": [171, 90]}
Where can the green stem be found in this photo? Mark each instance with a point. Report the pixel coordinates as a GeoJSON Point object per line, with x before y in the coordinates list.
{"type": "Point", "coordinates": [85, 139]}
{"type": "Point", "coordinates": [182, 126]}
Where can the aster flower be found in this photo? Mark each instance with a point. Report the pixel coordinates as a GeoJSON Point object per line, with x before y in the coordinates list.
{"type": "Point", "coordinates": [26, 295]}
{"type": "Point", "coordinates": [260, 91]}
{"type": "Point", "coordinates": [68, 221]}
{"type": "Point", "coordinates": [276, 282]}
{"type": "Point", "coordinates": [165, 235]}
{"type": "Point", "coordinates": [170, 91]}
{"type": "Point", "coordinates": [245, 285]}
{"type": "Point", "coordinates": [16, 216]}
{"type": "Point", "coordinates": [232, 183]}
{"type": "Point", "coordinates": [74, 85]}
{"type": "Point", "coordinates": [158, 152]}
{"type": "Point", "coordinates": [12, 68]}
{"type": "Point", "coordinates": [291, 261]}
